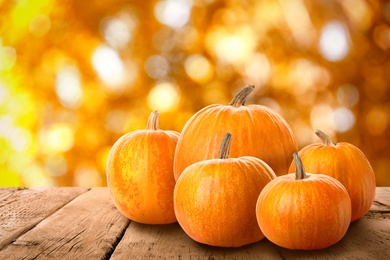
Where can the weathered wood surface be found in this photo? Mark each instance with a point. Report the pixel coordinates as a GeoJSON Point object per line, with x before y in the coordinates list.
{"type": "Point", "coordinates": [79, 223]}
{"type": "Point", "coordinates": [22, 209]}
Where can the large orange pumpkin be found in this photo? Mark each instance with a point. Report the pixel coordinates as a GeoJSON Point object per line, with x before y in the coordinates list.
{"type": "Point", "coordinates": [215, 200]}
{"type": "Point", "coordinates": [346, 163]}
{"type": "Point", "coordinates": [303, 210]}
{"type": "Point", "coordinates": [258, 131]}
{"type": "Point", "coordinates": [140, 174]}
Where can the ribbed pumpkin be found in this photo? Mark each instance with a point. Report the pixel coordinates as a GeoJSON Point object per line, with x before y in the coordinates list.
{"type": "Point", "coordinates": [140, 174]}
{"type": "Point", "coordinates": [346, 163]}
{"type": "Point", "coordinates": [258, 131]}
{"type": "Point", "coordinates": [215, 200]}
{"type": "Point", "coordinates": [303, 210]}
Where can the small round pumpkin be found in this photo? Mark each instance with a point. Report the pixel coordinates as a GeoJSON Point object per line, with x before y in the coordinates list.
{"type": "Point", "coordinates": [346, 163]}
{"type": "Point", "coordinates": [140, 174]}
{"type": "Point", "coordinates": [303, 210]}
{"type": "Point", "coordinates": [258, 131]}
{"type": "Point", "coordinates": [215, 200]}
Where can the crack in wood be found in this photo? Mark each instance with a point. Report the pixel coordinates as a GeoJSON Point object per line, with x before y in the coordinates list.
{"type": "Point", "coordinates": [380, 204]}
{"type": "Point", "coordinates": [118, 239]}
{"type": "Point", "coordinates": [12, 237]}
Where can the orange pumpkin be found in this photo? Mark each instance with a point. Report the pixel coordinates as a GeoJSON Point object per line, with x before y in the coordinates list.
{"type": "Point", "coordinates": [346, 163]}
{"type": "Point", "coordinates": [140, 174]}
{"type": "Point", "coordinates": [215, 199]}
{"type": "Point", "coordinates": [258, 131]}
{"type": "Point", "coordinates": [304, 211]}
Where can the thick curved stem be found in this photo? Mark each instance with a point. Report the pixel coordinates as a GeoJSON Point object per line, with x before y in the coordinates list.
{"type": "Point", "coordinates": [224, 151]}
{"type": "Point", "coordinates": [153, 121]}
{"type": "Point", "coordinates": [326, 139]}
{"type": "Point", "coordinates": [300, 173]}
{"type": "Point", "coordinates": [240, 98]}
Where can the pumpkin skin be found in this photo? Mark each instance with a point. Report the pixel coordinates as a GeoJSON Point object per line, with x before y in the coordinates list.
{"type": "Point", "coordinates": [215, 200]}
{"type": "Point", "coordinates": [347, 164]}
{"type": "Point", "coordinates": [140, 174]}
{"type": "Point", "coordinates": [306, 213]}
{"type": "Point", "coordinates": [258, 131]}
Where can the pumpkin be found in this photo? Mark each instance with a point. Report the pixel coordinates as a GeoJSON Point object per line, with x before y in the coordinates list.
{"type": "Point", "coordinates": [258, 131]}
{"type": "Point", "coordinates": [140, 173]}
{"type": "Point", "coordinates": [303, 210]}
{"type": "Point", "coordinates": [215, 199]}
{"type": "Point", "coordinates": [346, 163]}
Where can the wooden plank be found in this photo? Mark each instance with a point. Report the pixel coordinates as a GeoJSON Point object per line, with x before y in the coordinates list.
{"type": "Point", "coordinates": [382, 200]}
{"type": "Point", "coordinates": [380, 208]}
{"type": "Point", "coordinates": [89, 227]}
{"type": "Point", "coordinates": [383, 195]}
{"type": "Point", "coordinates": [365, 239]}
{"type": "Point", "coordinates": [171, 242]}
{"type": "Point", "coordinates": [5, 193]}
{"type": "Point", "coordinates": [21, 209]}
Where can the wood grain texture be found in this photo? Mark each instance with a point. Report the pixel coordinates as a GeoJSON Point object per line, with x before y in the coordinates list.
{"type": "Point", "coordinates": [365, 239]}
{"type": "Point", "coordinates": [381, 205]}
{"type": "Point", "coordinates": [77, 223]}
{"type": "Point", "coordinates": [21, 209]}
{"type": "Point", "coordinates": [87, 228]}
{"type": "Point", "coordinates": [171, 242]}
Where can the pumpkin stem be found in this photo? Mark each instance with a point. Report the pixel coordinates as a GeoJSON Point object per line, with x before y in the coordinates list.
{"type": "Point", "coordinates": [300, 173]}
{"type": "Point", "coordinates": [153, 121]}
{"type": "Point", "coordinates": [224, 151]}
{"type": "Point", "coordinates": [326, 139]}
{"type": "Point", "coordinates": [240, 98]}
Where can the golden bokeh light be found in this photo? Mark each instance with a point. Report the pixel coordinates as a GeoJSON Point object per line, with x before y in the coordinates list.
{"type": "Point", "coordinates": [56, 138]}
{"type": "Point", "coordinates": [109, 66]}
{"type": "Point", "coordinates": [68, 87]}
{"type": "Point", "coordinates": [334, 41]}
{"type": "Point", "coordinates": [198, 68]}
{"type": "Point", "coordinates": [164, 97]}
{"type": "Point", "coordinates": [174, 13]}
{"type": "Point", "coordinates": [377, 121]}
{"type": "Point", "coordinates": [231, 47]}
{"type": "Point", "coordinates": [40, 25]}
{"type": "Point", "coordinates": [73, 81]}
{"type": "Point", "coordinates": [321, 117]}
{"type": "Point", "coordinates": [7, 57]}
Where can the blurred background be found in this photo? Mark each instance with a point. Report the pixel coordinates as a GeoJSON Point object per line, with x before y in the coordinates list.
{"type": "Point", "coordinates": [76, 75]}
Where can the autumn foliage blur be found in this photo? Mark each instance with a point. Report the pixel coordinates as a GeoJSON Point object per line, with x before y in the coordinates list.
{"type": "Point", "coordinates": [76, 75]}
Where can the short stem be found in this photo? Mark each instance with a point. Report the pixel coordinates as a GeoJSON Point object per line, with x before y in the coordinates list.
{"type": "Point", "coordinates": [240, 98]}
{"type": "Point", "coordinates": [300, 173]}
{"type": "Point", "coordinates": [326, 139]}
{"type": "Point", "coordinates": [224, 151]}
{"type": "Point", "coordinates": [153, 121]}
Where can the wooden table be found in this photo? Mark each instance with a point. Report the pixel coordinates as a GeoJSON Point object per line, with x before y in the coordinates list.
{"type": "Point", "coordinates": [80, 223]}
